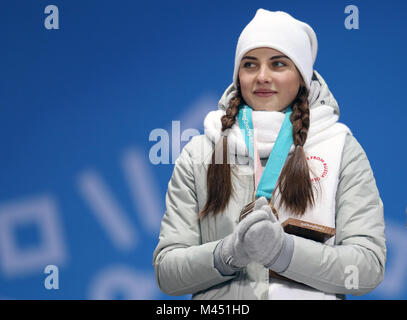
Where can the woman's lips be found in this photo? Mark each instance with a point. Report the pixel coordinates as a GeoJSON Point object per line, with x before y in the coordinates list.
{"type": "Point", "coordinates": [264, 94]}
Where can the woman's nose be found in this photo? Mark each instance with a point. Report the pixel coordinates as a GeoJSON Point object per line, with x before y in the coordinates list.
{"type": "Point", "coordinates": [264, 75]}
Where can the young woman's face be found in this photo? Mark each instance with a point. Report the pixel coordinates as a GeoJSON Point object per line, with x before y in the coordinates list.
{"type": "Point", "coordinates": [269, 80]}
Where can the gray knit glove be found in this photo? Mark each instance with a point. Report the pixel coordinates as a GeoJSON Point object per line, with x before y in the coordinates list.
{"type": "Point", "coordinates": [230, 255]}
{"type": "Point", "coordinates": [266, 242]}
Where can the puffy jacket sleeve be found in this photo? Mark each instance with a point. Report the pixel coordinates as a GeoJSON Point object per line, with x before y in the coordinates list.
{"type": "Point", "coordinates": [182, 263]}
{"type": "Point", "coordinates": [356, 263]}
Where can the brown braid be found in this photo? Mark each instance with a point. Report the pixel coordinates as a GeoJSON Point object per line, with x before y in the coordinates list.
{"type": "Point", "coordinates": [295, 181]}
{"type": "Point", "coordinates": [219, 181]}
{"type": "Point", "coordinates": [300, 117]}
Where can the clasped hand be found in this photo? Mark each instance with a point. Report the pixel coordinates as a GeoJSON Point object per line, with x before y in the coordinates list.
{"type": "Point", "coordinates": [259, 237]}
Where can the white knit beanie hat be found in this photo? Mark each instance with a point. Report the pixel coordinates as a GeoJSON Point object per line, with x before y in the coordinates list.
{"type": "Point", "coordinates": [282, 32]}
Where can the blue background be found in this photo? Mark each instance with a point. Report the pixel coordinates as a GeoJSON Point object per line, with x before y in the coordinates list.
{"type": "Point", "coordinates": [78, 104]}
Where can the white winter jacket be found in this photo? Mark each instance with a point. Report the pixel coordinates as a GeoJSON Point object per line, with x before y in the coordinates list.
{"type": "Point", "coordinates": [183, 258]}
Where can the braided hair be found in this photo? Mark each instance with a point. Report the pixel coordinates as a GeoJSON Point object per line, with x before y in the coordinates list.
{"type": "Point", "coordinates": [295, 182]}
{"type": "Point", "coordinates": [219, 182]}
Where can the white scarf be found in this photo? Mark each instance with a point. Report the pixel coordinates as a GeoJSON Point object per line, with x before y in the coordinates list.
{"type": "Point", "coordinates": [267, 125]}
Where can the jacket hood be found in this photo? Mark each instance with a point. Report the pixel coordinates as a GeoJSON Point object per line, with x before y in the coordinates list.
{"type": "Point", "coordinates": [319, 95]}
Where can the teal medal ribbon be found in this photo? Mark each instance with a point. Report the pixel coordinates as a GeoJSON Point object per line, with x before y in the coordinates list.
{"type": "Point", "coordinates": [278, 154]}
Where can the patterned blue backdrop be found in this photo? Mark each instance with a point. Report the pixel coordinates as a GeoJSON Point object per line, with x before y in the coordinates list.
{"type": "Point", "coordinates": [81, 108]}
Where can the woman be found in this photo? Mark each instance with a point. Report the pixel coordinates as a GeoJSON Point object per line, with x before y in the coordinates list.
{"type": "Point", "coordinates": [275, 143]}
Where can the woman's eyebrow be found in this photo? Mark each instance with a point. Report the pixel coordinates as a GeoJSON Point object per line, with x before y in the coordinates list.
{"type": "Point", "coordinates": [272, 58]}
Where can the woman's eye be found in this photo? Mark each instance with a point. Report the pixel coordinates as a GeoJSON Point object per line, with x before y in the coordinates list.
{"type": "Point", "coordinates": [246, 65]}
{"type": "Point", "coordinates": [282, 63]}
